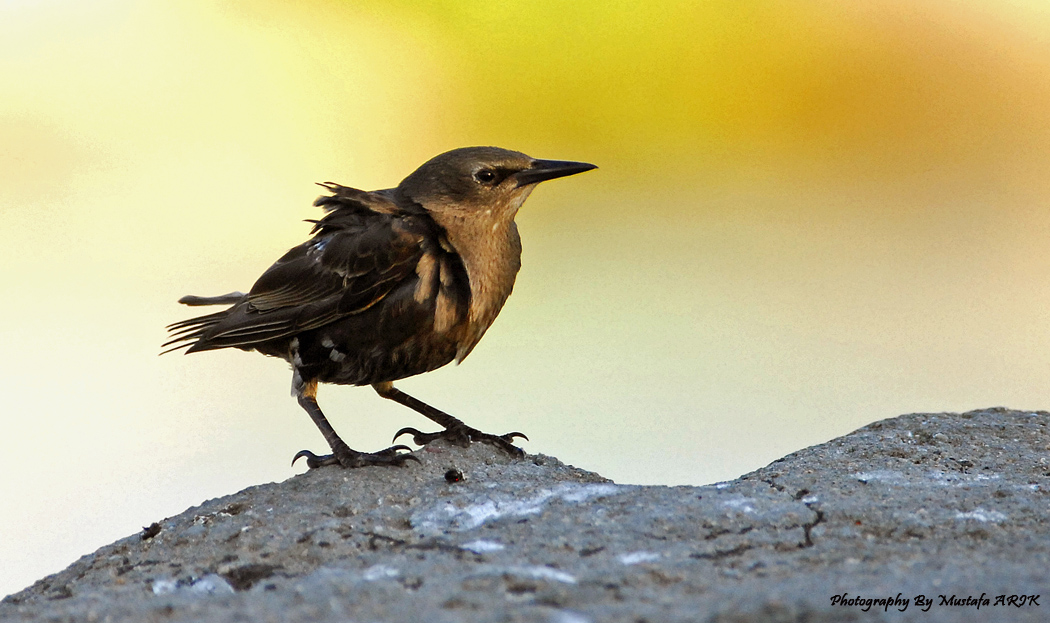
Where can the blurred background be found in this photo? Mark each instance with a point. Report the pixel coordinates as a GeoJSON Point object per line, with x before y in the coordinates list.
{"type": "Point", "coordinates": [809, 216]}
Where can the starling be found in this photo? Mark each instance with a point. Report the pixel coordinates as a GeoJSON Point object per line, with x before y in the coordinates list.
{"type": "Point", "coordinates": [392, 283]}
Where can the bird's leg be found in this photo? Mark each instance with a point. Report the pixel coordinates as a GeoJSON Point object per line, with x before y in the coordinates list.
{"type": "Point", "coordinates": [342, 454]}
{"type": "Point", "coordinates": [455, 430]}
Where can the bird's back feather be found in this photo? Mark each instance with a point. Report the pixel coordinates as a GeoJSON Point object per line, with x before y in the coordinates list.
{"type": "Point", "coordinates": [362, 249]}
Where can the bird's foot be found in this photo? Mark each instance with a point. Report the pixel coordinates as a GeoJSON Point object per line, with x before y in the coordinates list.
{"type": "Point", "coordinates": [345, 456]}
{"type": "Point", "coordinates": [464, 435]}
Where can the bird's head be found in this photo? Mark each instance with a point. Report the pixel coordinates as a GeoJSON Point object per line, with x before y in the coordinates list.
{"type": "Point", "coordinates": [482, 180]}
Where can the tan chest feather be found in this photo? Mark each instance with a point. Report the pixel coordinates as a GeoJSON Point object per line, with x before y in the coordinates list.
{"type": "Point", "coordinates": [436, 281]}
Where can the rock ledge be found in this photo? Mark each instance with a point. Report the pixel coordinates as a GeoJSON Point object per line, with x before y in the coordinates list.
{"type": "Point", "coordinates": [947, 506]}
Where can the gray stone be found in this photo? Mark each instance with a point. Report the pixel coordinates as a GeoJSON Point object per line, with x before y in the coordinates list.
{"type": "Point", "coordinates": [951, 505]}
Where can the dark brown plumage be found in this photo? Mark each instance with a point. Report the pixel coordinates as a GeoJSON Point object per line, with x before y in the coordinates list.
{"type": "Point", "coordinates": [393, 283]}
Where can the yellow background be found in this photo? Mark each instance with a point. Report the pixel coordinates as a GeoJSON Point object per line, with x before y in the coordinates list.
{"type": "Point", "coordinates": [809, 216]}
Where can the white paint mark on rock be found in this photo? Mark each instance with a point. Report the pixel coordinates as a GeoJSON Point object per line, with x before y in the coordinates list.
{"type": "Point", "coordinates": [888, 476]}
{"type": "Point", "coordinates": [451, 517]}
{"type": "Point", "coordinates": [380, 572]}
{"type": "Point", "coordinates": [164, 586]}
{"type": "Point", "coordinates": [482, 546]}
{"type": "Point", "coordinates": [543, 573]}
{"type": "Point", "coordinates": [634, 558]}
{"type": "Point", "coordinates": [584, 493]}
{"type": "Point", "coordinates": [566, 616]}
{"type": "Point", "coordinates": [980, 514]}
{"type": "Point", "coordinates": [953, 479]}
{"type": "Point", "coordinates": [739, 503]}
{"type": "Point", "coordinates": [212, 584]}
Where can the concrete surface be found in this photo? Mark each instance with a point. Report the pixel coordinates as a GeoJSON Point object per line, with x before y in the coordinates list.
{"type": "Point", "coordinates": [947, 506]}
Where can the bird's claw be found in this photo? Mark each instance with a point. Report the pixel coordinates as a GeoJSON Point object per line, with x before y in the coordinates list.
{"type": "Point", "coordinates": [314, 461]}
{"type": "Point", "coordinates": [352, 458]}
{"type": "Point", "coordinates": [418, 437]}
{"type": "Point", "coordinates": [464, 435]}
{"type": "Point", "coordinates": [392, 451]}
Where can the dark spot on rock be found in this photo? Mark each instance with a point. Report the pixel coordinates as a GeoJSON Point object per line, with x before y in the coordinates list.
{"type": "Point", "coordinates": [724, 553]}
{"type": "Point", "coordinates": [454, 603]}
{"type": "Point", "coordinates": [60, 592]}
{"type": "Point", "coordinates": [519, 587]}
{"type": "Point", "coordinates": [453, 475]}
{"type": "Point", "coordinates": [664, 579]}
{"type": "Point", "coordinates": [150, 531]}
{"type": "Point", "coordinates": [343, 512]}
{"type": "Point", "coordinates": [923, 437]}
{"type": "Point", "coordinates": [236, 508]}
{"type": "Point", "coordinates": [244, 577]}
{"type": "Point", "coordinates": [808, 528]}
{"type": "Point", "coordinates": [413, 583]}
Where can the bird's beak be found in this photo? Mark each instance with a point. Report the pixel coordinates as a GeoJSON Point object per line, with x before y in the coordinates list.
{"type": "Point", "coordinates": [543, 170]}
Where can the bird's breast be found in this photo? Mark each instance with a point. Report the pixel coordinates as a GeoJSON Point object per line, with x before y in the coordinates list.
{"type": "Point", "coordinates": [492, 261]}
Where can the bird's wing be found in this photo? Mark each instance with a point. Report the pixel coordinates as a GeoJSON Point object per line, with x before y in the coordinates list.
{"type": "Point", "coordinates": [362, 249]}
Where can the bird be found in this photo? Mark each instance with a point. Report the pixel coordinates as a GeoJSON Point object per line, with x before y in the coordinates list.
{"type": "Point", "coordinates": [391, 284]}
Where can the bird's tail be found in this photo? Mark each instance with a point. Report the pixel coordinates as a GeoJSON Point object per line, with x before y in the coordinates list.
{"type": "Point", "coordinates": [223, 299]}
{"type": "Point", "coordinates": [187, 332]}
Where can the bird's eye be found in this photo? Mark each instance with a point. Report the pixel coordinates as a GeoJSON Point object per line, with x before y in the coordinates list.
{"type": "Point", "coordinates": [485, 176]}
